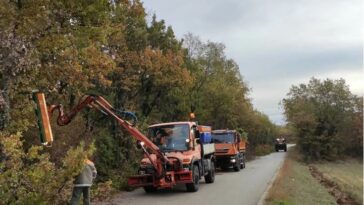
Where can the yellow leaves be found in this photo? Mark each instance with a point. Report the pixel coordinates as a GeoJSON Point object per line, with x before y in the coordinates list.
{"type": "Point", "coordinates": [97, 65]}
{"type": "Point", "coordinates": [153, 66]}
{"type": "Point", "coordinates": [165, 69]}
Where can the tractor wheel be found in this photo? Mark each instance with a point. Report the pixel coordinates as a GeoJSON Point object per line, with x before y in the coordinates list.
{"type": "Point", "coordinates": [210, 177]}
{"type": "Point", "coordinates": [193, 187]}
{"type": "Point", "coordinates": [149, 189]}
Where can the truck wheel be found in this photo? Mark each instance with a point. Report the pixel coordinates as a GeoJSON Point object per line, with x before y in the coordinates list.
{"type": "Point", "coordinates": [210, 177]}
{"type": "Point", "coordinates": [193, 187]}
{"type": "Point", "coordinates": [149, 189]}
{"type": "Point", "coordinates": [285, 148]}
{"type": "Point", "coordinates": [237, 164]}
{"type": "Point", "coordinates": [242, 165]}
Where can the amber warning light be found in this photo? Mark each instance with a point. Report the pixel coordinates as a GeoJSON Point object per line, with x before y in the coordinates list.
{"type": "Point", "coordinates": [192, 116]}
{"type": "Point", "coordinates": [45, 130]}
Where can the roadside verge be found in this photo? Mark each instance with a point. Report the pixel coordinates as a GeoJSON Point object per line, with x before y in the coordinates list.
{"type": "Point", "coordinates": [294, 184]}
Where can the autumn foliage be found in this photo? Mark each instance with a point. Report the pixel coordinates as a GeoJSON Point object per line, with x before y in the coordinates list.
{"type": "Point", "coordinates": [71, 48]}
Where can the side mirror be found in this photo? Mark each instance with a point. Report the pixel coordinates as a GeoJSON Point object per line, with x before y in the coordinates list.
{"type": "Point", "coordinates": [238, 137]}
{"type": "Point", "coordinates": [195, 130]}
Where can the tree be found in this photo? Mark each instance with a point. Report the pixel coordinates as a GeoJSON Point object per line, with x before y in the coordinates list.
{"type": "Point", "coordinates": [219, 94]}
{"type": "Point", "coordinates": [69, 49]}
{"type": "Point", "coordinates": [320, 112]}
{"type": "Point", "coordinates": [29, 177]}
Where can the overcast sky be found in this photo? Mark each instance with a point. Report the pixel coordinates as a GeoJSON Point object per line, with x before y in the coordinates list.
{"type": "Point", "coordinates": [276, 43]}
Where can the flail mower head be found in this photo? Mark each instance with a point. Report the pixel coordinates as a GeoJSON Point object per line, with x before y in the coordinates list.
{"type": "Point", "coordinates": [45, 130]}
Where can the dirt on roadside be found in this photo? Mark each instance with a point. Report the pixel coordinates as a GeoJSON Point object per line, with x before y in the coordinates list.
{"type": "Point", "coordinates": [341, 197]}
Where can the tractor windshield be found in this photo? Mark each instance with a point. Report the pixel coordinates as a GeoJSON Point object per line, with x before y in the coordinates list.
{"type": "Point", "coordinates": [223, 137]}
{"type": "Point", "coordinates": [170, 137]}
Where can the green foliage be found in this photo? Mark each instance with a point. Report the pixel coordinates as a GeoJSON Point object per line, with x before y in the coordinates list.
{"type": "Point", "coordinates": [263, 149]}
{"type": "Point", "coordinates": [102, 191]}
{"type": "Point", "coordinates": [326, 117]}
{"type": "Point", "coordinates": [29, 177]}
{"type": "Point", "coordinates": [243, 134]}
{"type": "Point", "coordinates": [112, 156]}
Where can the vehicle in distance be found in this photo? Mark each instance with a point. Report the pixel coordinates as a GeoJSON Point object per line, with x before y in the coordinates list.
{"type": "Point", "coordinates": [280, 144]}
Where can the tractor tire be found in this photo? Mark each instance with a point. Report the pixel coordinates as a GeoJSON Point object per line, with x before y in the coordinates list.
{"type": "Point", "coordinates": [193, 187]}
{"type": "Point", "coordinates": [210, 177]}
{"type": "Point", "coordinates": [149, 189]}
{"type": "Point", "coordinates": [237, 164]}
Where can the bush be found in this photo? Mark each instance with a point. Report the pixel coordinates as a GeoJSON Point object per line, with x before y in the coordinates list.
{"type": "Point", "coordinates": [263, 149]}
{"type": "Point", "coordinates": [29, 177]}
{"type": "Point", "coordinates": [102, 191]}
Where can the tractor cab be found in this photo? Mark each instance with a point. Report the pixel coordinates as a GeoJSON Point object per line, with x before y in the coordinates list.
{"type": "Point", "coordinates": [170, 137]}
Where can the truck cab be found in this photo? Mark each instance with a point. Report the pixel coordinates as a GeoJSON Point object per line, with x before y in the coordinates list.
{"type": "Point", "coordinates": [186, 142]}
{"type": "Point", "coordinates": [230, 149]}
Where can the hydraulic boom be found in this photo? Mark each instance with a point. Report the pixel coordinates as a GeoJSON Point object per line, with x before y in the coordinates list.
{"type": "Point", "coordinates": [105, 107]}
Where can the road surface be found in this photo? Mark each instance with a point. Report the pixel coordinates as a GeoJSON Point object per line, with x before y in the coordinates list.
{"type": "Point", "coordinates": [230, 188]}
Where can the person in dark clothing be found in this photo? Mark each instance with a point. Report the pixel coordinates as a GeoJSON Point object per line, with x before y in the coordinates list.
{"type": "Point", "coordinates": [83, 183]}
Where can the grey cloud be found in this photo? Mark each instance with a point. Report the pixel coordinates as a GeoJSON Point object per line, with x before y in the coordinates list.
{"type": "Point", "coordinates": [276, 43]}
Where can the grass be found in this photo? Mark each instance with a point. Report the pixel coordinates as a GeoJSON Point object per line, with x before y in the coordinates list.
{"type": "Point", "coordinates": [294, 185]}
{"type": "Point", "coordinates": [348, 175]}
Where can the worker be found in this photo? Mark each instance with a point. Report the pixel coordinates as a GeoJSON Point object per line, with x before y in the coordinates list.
{"type": "Point", "coordinates": [83, 183]}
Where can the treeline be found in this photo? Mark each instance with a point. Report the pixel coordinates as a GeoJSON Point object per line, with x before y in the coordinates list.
{"type": "Point", "coordinates": [71, 48]}
{"type": "Point", "coordinates": [327, 118]}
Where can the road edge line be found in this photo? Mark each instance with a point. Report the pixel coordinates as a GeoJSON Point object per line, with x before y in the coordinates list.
{"type": "Point", "coordinates": [270, 183]}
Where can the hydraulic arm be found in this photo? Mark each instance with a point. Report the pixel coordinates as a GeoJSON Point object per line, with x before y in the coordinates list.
{"type": "Point", "coordinates": [105, 107]}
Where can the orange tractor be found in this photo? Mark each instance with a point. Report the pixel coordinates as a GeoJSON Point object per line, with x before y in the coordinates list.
{"type": "Point", "coordinates": [174, 153]}
{"type": "Point", "coordinates": [186, 143]}
{"type": "Point", "coordinates": [230, 149]}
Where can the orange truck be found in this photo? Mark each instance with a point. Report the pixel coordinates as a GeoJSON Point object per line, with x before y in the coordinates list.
{"type": "Point", "coordinates": [230, 149]}
{"type": "Point", "coordinates": [186, 142]}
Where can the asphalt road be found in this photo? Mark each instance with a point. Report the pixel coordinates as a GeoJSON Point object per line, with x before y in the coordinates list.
{"type": "Point", "coordinates": [230, 188]}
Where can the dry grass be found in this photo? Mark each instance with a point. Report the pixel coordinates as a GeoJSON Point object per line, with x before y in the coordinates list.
{"type": "Point", "coordinates": [348, 175]}
{"type": "Point", "coordinates": [294, 185]}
